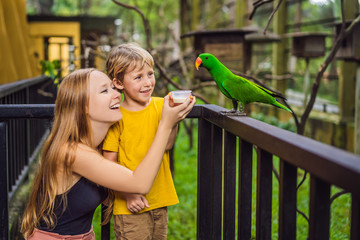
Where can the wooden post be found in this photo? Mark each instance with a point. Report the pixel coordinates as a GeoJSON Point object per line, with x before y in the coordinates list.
{"type": "Point", "coordinates": [347, 72]}
{"type": "Point", "coordinates": [298, 16]}
{"type": "Point", "coordinates": [306, 81]}
{"type": "Point", "coordinates": [347, 78]}
{"type": "Point", "coordinates": [184, 24]}
{"type": "Point", "coordinates": [240, 18]}
{"type": "Point", "coordinates": [357, 113]}
{"type": "Point", "coordinates": [279, 54]}
{"type": "Point", "coordinates": [213, 15]}
{"type": "Point", "coordinates": [195, 19]}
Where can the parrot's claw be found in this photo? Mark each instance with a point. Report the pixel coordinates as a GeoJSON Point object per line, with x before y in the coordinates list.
{"type": "Point", "coordinates": [233, 113]}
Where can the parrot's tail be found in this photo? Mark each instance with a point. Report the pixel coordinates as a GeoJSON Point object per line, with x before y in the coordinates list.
{"type": "Point", "coordinates": [279, 105]}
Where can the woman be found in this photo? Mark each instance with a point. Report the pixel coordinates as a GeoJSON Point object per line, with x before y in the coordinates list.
{"type": "Point", "coordinates": [72, 173]}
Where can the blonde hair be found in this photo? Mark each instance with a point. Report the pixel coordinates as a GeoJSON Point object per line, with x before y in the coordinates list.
{"type": "Point", "coordinates": [71, 126]}
{"type": "Point", "coordinates": [125, 58]}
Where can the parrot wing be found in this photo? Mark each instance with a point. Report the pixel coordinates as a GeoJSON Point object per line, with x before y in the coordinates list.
{"type": "Point", "coordinates": [244, 91]}
{"type": "Point", "coordinates": [268, 91]}
{"type": "Point", "coordinates": [236, 85]}
{"type": "Point", "coordinates": [239, 89]}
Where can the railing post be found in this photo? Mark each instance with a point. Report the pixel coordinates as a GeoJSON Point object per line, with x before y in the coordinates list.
{"type": "Point", "coordinates": [4, 185]}
{"type": "Point", "coordinates": [204, 174]}
{"type": "Point", "coordinates": [319, 209]}
{"type": "Point", "coordinates": [287, 201]}
{"type": "Point", "coordinates": [229, 186]}
{"type": "Point", "coordinates": [355, 218]}
{"type": "Point", "coordinates": [209, 193]}
{"type": "Point", "coordinates": [245, 189]}
{"type": "Point", "coordinates": [105, 230]}
{"type": "Point", "coordinates": [264, 195]}
{"type": "Point", "coordinates": [216, 182]}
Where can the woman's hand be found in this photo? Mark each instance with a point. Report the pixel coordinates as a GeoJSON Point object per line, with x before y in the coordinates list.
{"type": "Point", "coordinates": [171, 115]}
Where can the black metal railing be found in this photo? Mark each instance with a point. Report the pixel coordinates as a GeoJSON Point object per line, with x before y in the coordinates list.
{"type": "Point", "coordinates": [217, 207]}
{"type": "Point", "coordinates": [21, 138]}
{"type": "Point", "coordinates": [217, 184]}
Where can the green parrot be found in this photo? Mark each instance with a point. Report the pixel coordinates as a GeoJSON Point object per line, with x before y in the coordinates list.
{"type": "Point", "coordinates": [237, 88]}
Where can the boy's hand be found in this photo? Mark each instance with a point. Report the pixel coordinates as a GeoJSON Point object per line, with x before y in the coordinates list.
{"type": "Point", "coordinates": [136, 202]}
{"type": "Point", "coordinates": [171, 100]}
{"type": "Point", "coordinates": [173, 115]}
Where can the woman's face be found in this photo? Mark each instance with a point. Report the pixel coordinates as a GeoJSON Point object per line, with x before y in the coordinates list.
{"type": "Point", "coordinates": [104, 100]}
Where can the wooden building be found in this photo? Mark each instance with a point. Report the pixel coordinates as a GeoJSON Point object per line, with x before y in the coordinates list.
{"type": "Point", "coordinates": [65, 39]}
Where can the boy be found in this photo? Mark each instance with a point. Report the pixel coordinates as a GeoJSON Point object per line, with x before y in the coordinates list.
{"type": "Point", "coordinates": [136, 216]}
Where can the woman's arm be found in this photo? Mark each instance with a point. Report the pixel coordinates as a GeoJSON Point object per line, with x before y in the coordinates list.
{"type": "Point", "coordinates": [96, 168]}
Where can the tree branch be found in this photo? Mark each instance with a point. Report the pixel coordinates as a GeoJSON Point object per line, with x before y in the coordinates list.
{"type": "Point", "coordinates": [167, 78]}
{"type": "Point", "coordinates": [149, 48]}
{"type": "Point", "coordinates": [257, 4]}
{"type": "Point", "coordinates": [144, 19]}
{"type": "Point", "coordinates": [271, 16]}
{"type": "Point", "coordinates": [315, 87]}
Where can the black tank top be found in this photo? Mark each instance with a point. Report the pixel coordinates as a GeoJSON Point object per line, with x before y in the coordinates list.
{"type": "Point", "coordinates": [83, 198]}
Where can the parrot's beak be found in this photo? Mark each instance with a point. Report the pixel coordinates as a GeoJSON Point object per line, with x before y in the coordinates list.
{"type": "Point", "coordinates": [198, 63]}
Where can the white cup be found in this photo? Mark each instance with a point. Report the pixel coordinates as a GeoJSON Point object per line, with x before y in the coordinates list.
{"type": "Point", "coordinates": [180, 96]}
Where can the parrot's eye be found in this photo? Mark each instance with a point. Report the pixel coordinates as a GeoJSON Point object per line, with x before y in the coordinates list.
{"type": "Point", "coordinates": [206, 58]}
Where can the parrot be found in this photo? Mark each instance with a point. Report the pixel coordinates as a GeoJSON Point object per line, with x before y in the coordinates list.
{"type": "Point", "coordinates": [237, 88]}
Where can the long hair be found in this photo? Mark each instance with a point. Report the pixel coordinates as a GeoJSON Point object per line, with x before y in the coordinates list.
{"type": "Point", "coordinates": [71, 127]}
{"type": "Point", "coordinates": [126, 57]}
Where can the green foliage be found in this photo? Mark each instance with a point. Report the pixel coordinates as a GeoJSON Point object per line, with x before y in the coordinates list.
{"type": "Point", "coordinates": [52, 70]}
{"type": "Point", "coordinates": [290, 125]}
{"type": "Point", "coordinates": [97, 226]}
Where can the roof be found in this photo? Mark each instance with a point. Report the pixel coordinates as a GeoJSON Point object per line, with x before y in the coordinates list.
{"type": "Point", "coordinates": [223, 31]}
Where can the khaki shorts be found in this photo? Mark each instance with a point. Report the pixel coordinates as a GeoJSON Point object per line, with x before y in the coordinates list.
{"type": "Point", "coordinates": [143, 226]}
{"type": "Point", "coordinates": [43, 235]}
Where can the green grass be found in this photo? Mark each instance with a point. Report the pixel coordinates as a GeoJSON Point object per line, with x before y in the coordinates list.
{"type": "Point", "coordinates": [97, 227]}
{"type": "Point", "coordinates": [182, 217]}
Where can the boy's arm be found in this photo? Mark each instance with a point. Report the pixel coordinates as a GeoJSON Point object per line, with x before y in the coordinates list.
{"type": "Point", "coordinates": [172, 138]}
{"type": "Point", "coordinates": [112, 156]}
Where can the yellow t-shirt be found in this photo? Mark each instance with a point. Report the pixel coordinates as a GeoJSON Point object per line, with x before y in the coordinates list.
{"type": "Point", "coordinates": [132, 137]}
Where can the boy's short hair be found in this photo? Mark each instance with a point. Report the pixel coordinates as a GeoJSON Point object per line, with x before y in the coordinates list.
{"type": "Point", "coordinates": [127, 57]}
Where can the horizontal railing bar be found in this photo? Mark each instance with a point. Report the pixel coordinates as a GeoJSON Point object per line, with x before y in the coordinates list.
{"type": "Point", "coordinates": [196, 112]}
{"type": "Point", "coordinates": [26, 111]}
{"type": "Point", "coordinates": [7, 89]}
{"type": "Point", "coordinates": [329, 163]}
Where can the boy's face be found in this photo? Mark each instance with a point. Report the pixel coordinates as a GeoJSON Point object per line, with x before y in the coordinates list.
{"type": "Point", "coordinates": [138, 85]}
